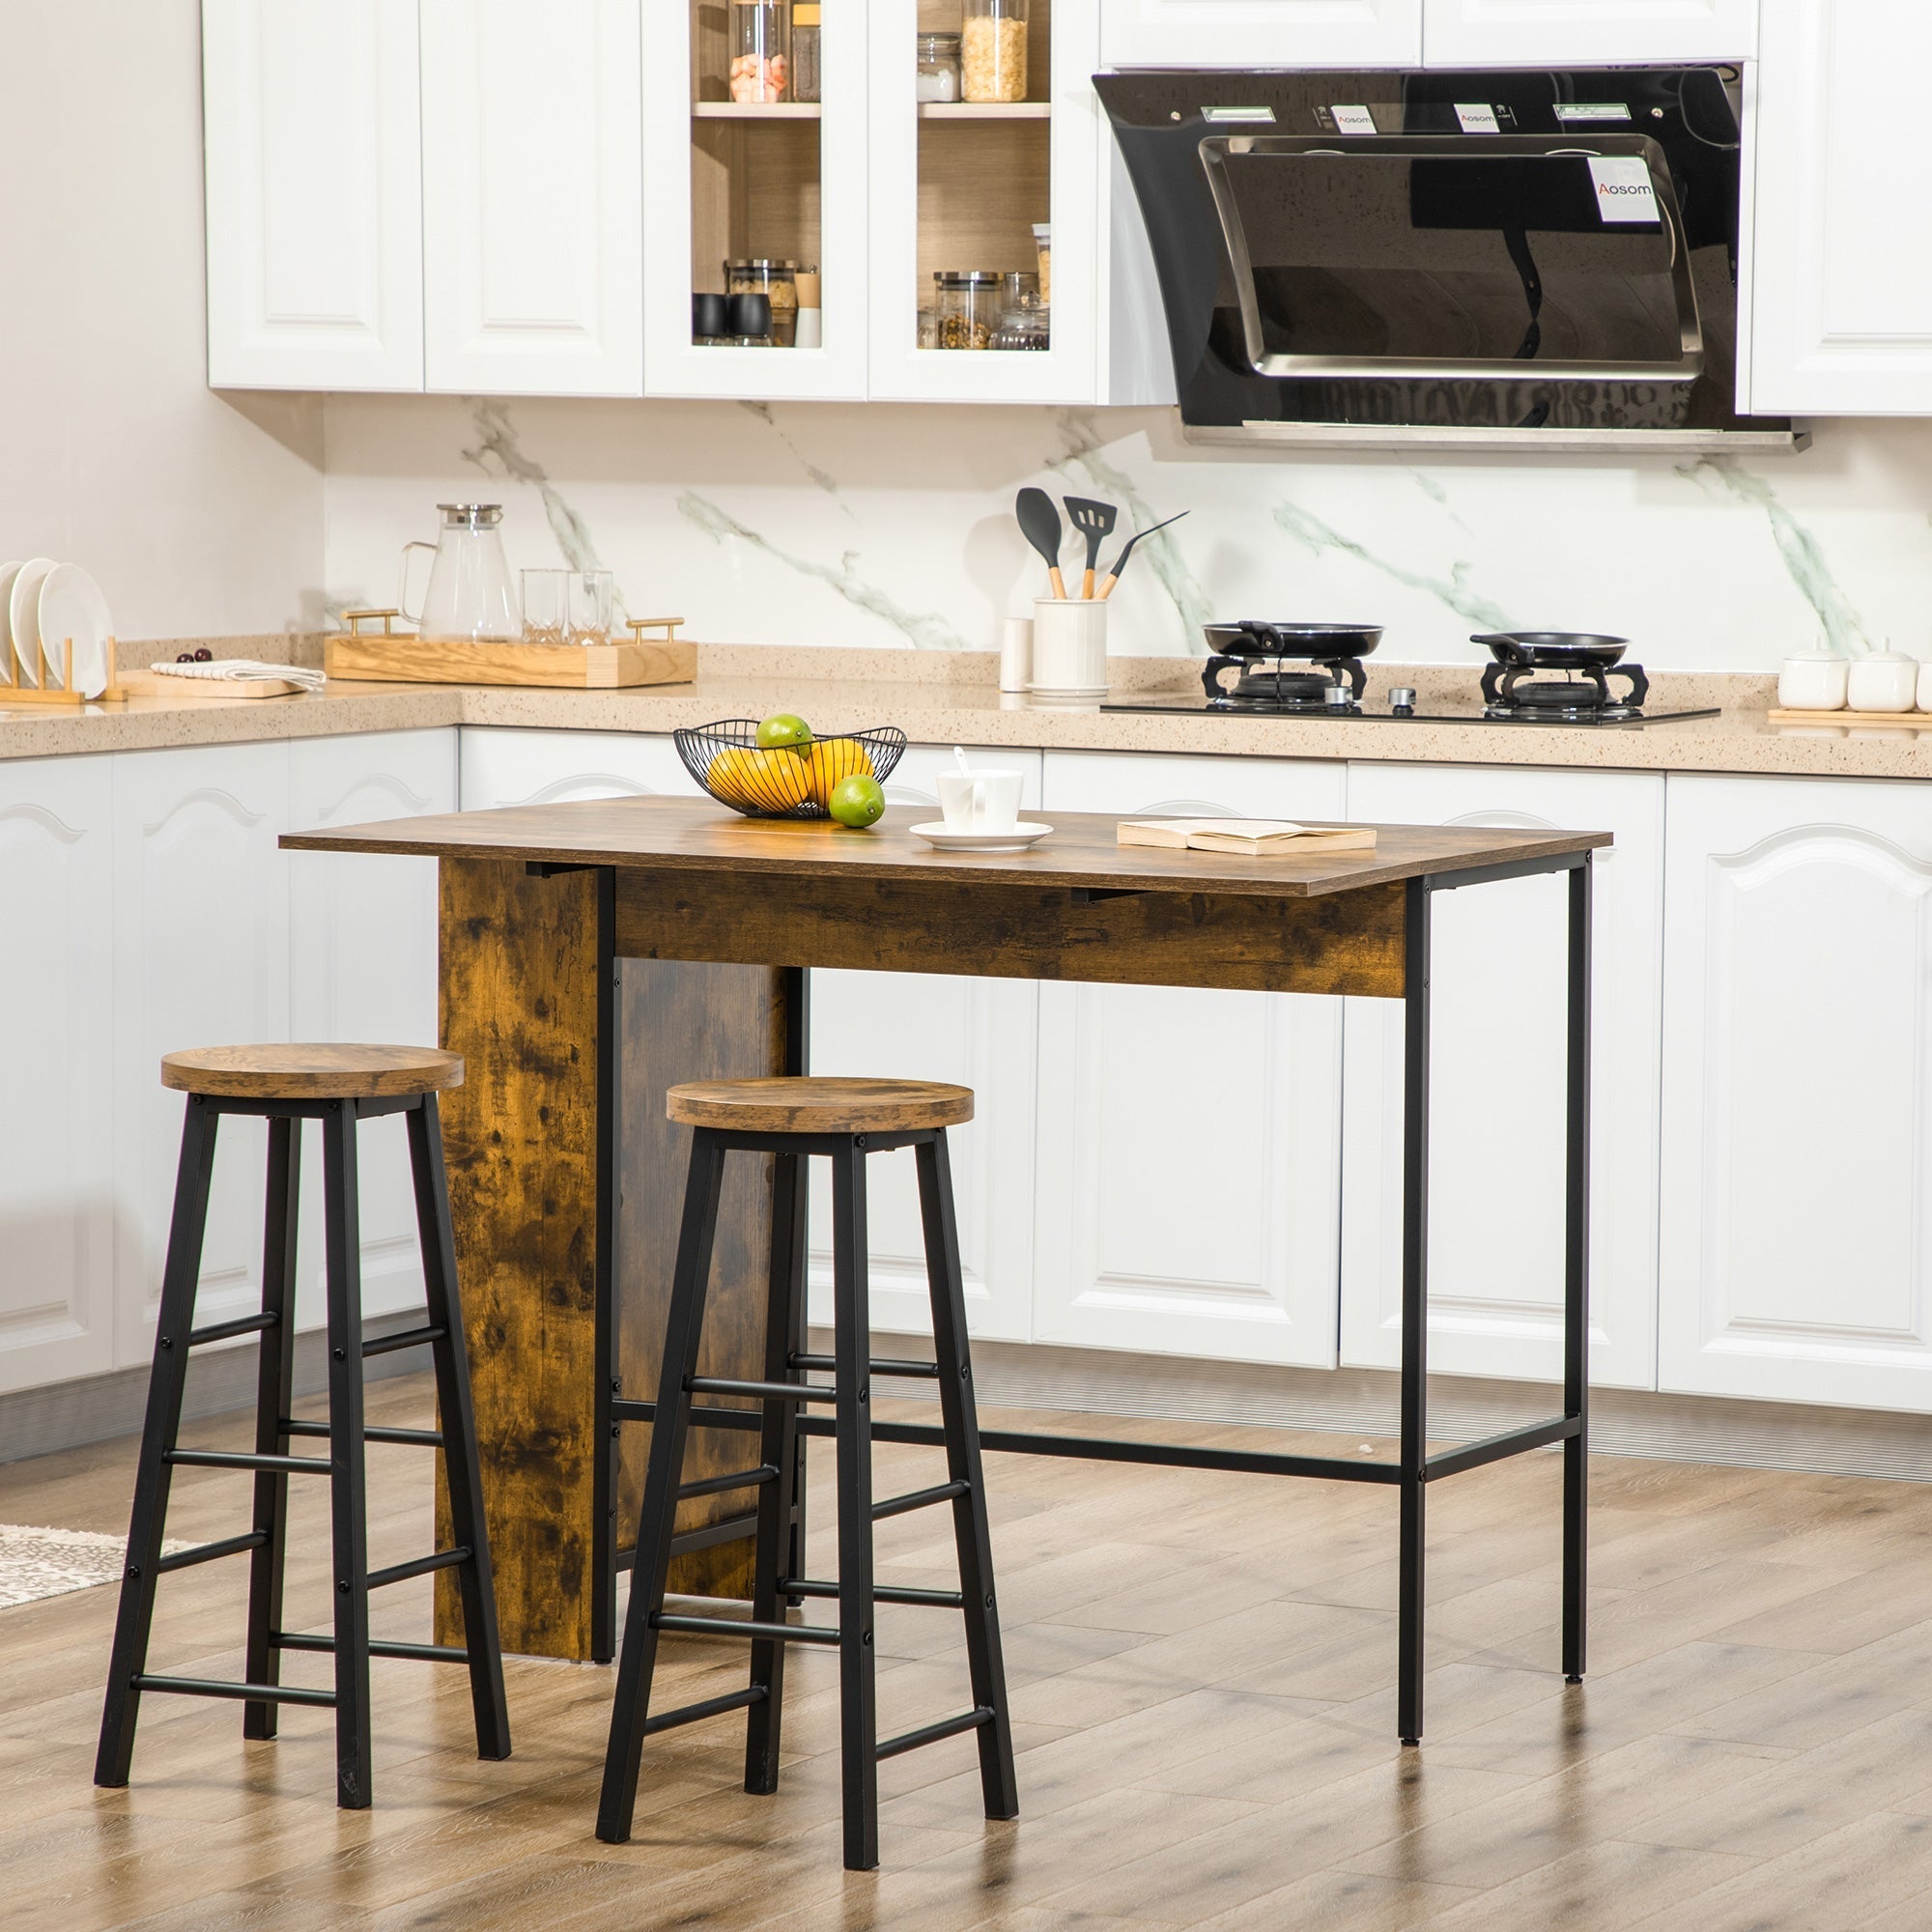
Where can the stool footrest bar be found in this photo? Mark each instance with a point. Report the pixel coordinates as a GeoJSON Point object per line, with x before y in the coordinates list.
{"type": "Point", "coordinates": [880, 1365]}
{"type": "Point", "coordinates": [221, 1332]}
{"type": "Point", "coordinates": [421, 1653]}
{"type": "Point", "coordinates": [884, 1593]}
{"type": "Point", "coordinates": [712, 1707]}
{"type": "Point", "coordinates": [253, 1694]}
{"type": "Point", "coordinates": [407, 1338]}
{"type": "Point", "coordinates": [401, 1573]}
{"type": "Point", "coordinates": [919, 1499]}
{"type": "Point", "coordinates": [234, 1459]}
{"type": "Point", "coordinates": [746, 1627]}
{"type": "Point", "coordinates": [698, 1418]}
{"type": "Point", "coordinates": [763, 1391]}
{"type": "Point", "coordinates": [930, 1734]}
{"type": "Point", "coordinates": [207, 1552]}
{"type": "Point", "coordinates": [422, 1438]}
{"type": "Point", "coordinates": [736, 1479]}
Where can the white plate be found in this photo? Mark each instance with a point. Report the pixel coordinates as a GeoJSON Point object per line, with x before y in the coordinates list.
{"type": "Point", "coordinates": [72, 605]}
{"type": "Point", "coordinates": [8, 573]}
{"type": "Point", "coordinates": [938, 835]}
{"type": "Point", "coordinates": [24, 616]}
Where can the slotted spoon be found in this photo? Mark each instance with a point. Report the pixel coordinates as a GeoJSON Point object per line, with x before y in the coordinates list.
{"type": "Point", "coordinates": [1095, 521]}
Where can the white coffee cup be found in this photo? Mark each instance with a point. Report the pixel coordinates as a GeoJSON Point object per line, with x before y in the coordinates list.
{"type": "Point", "coordinates": [986, 801]}
{"type": "Point", "coordinates": [1812, 681]}
{"type": "Point", "coordinates": [1885, 680]}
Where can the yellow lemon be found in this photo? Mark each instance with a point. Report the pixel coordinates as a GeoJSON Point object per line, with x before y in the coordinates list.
{"type": "Point", "coordinates": [770, 780]}
{"type": "Point", "coordinates": [834, 759]}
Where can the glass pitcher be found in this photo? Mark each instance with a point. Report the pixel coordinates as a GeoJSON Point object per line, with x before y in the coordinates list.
{"type": "Point", "coordinates": [469, 597]}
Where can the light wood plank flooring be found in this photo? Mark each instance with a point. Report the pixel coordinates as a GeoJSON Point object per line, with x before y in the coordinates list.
{"type": "Point", "coordinates": [1201, 1671]}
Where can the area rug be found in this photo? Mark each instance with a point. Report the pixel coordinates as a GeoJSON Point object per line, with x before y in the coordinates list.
{"type": "Point", "coordinates": [35, 1563]}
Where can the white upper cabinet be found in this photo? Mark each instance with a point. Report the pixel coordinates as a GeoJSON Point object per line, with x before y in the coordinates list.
{"type": "Point", "coordinates": [1837, 299]}
{"type": "Point", "coordinates": [1261, 33]}
{"type": "Point", "coordinates": [533, 259]}
{"type": "Point", "coordinates": [314, 195]}
{"type": "Point", "coordinates": [1797, 1212]}
{"type": "Point", "coordinates": [1528, 33]}
{"type": "Point", "coordinates": [1498, 989]}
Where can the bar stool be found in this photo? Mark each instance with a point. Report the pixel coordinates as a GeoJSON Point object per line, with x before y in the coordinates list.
{"type": "Point", "coordinates": [339, 1086]}
{"type": "Point", "coordinates": [792, 1119]}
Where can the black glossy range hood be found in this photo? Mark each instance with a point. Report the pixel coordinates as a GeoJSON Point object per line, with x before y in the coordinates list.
{"type": "Point", "coordinates": [1514, 259]}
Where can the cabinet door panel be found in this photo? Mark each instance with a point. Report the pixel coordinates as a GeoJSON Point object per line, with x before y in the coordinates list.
{"type": "Point", "coordinates": [977, 1031]}
{"type": "Point", "coordinates": [201, 958]}
{"type": "Point", "coordinates": [1497, 1112]}
{"type": "Point", "coordinates": [533, 197]}
{"type": "Point", "coordinates": [1261, 33]}
{"type": "Point", "coordinates": [1528, 33]}
{"type": "Point", "coordinates": [364, 969]}
{"type": "Point", "coordinates": [56, 1207]}
{"type": "Point", "coordinates": [314, 195]}
{"type": "Point", "coordinates": [500, 768]}
{"type": "Point", "coordinates": [1189, 1140]}
{"type": "Point", "coordinates": [1798, 1094]}
{"type": "Point", "coordinates": [1836, 297]}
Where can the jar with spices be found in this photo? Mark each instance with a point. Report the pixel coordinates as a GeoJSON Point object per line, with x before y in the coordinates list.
{"type": "Point", "coordinates": [776, 281]}
{"type": "Point", "coordinates": [938, 76]}
{"type": "Point", "coordinates": [993, 50]}
{"type": "Point", "coordinates": [805, 70]}
{"type": "Point", "coordinates": [967, 303]}
{"type": "Point", "coordinates": [761, 50]}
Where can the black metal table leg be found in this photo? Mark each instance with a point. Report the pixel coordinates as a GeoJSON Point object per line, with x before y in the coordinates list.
{"type": "Point", "coordinates": [179, 1280]}
{"type": "Point", "coordinates": [274, 1391]}
{"type": "Point", "coordinates": [347, 1492]}
{"type": "Point", "coordinates": [1576, 1280]}
{"type": "Point", "coordinates": [1414, 1446]}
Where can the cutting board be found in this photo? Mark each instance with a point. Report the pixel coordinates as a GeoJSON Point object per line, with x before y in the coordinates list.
{"type": "Point", "coordinates": [1898, 720]}
{"type": "Point", "coordinates": [155, 684]}
{"type": "Point", "coordinates": [389, 660]}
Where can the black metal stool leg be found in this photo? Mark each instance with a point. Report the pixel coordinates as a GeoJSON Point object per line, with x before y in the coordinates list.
{"type": "Point", "coordinates": [274, 1392]}
{"type": "Point", "coordinates": [778, 1449]}
{"type": "Point", "coordinates": [348, 1495]}
{"type": "Point", "coordinates": [969, 1527]}
{"type": "Point", "coordinates": [462, 1468]}
{"type": "Point", "coordinates": [657, 1521]}
{"type": "Point", "coordinates": [859, 1731]}
{"type": "Point", "coordinates": [1415, 1450]}
{"type": "Point", "coordinates": [165, 1386]}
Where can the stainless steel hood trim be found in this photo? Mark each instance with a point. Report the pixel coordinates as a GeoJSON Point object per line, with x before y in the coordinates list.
{"type": "Point", "coordinates": [1257, 436]}
{"type": "Point", "coordinates": [1215, 149]}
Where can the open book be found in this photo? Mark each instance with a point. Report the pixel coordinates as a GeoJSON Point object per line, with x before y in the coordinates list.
{"type": "Point", "coordinates": [1269, 838]}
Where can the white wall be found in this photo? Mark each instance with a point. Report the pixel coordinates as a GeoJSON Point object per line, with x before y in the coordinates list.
{"type": "Point", "coordinates": [891, 525]}
{"type": "Point", "coordinates": [199, 517]}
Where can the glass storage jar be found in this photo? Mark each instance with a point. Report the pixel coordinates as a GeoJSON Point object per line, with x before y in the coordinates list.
{"type": "Point", "coordinates": [775, 280]}
{"type": "Point", "coordinates": [761, 50]}
{"type": "Point", "coordinates": [993, 50]}
{"type": "Point", "coordinates": [967, 303]}
{"type": "Point", "coordinates": [1022, 328]}
{"type": "Point", "coordinates": [938, 76]}
{"type": "Point", "coordinates": [805, 70]}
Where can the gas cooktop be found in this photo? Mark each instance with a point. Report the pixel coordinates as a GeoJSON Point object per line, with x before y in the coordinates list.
{"type": "Point", "coordinates": [1601, 718]}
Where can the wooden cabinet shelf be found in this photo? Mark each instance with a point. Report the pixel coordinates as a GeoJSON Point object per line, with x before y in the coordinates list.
{"type": "Point", "coordinates": [985, 110]}
{"type": "Point", "coordinates": [754, 111]}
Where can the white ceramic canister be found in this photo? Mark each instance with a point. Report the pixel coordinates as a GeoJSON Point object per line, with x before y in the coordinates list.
{"type": "Point", "coordinates": [1069, 646]}
{"type": "Point", "coordinates": [1015, 653]}
{"type": "Point", "coordinates": [1925, 685]}
{"type": "Point", "coordinates": [1812, 681]}
{"type": "Point", "coordinates": [1883, 680]}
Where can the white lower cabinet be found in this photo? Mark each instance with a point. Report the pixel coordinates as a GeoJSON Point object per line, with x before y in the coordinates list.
{"type": "Point", "coordinates": [365, 967]}
{"type": "Point", "coordinates": [977, 1031]}
{"type": "Point", "coordinates": [1497, 1121]}
{"type": "Point", "coordinates": [499, 768]}
{"type": "Point", "coordinates": [57, 1209]}
{"type": "Point", "coordinates": [1189, 1140]}
{"type": "Point", "coordinates": [1797, 1246]}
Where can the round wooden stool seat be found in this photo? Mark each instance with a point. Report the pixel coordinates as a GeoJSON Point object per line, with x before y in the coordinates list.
{"type": "Point", "coordinates": [322, 1073]}
{"type": "Point", "coordinates": [808, 1105]}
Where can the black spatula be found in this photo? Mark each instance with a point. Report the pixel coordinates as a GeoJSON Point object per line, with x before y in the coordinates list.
{"type": "Point", "coordinates": [1095, 521]}
{"type": "Point", "coordinates": [1040, 525]}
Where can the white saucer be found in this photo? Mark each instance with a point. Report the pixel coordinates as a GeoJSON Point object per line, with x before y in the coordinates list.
{"type": "Point", "coordinates": [937, 835]}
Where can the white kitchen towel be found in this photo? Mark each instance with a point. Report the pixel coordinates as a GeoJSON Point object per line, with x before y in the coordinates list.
{"type": "Point", "coordinates": [227, 669]}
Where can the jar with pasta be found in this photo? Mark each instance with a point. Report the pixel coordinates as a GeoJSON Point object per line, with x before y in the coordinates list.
{"type": "Point", "coordinates": [776, 281]}
{"type": "Point", "coordinates": [993, 50]}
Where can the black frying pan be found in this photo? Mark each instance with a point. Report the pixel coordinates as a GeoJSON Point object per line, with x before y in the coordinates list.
{"type": "Point", "coordinates": [1552, 650]}
{"type": "Point", "coordinates": [1321, 644]}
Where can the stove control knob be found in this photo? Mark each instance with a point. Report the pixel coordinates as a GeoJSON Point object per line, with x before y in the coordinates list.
{"type": "Point", "coordinates": [1339, 697]}
{"type": "Point", "coordinates": [1401, 701]}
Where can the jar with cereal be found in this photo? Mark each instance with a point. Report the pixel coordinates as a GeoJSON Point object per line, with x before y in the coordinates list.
{"type": "Point", "coordinates": [993, 50]}
{"type": "Point", "coordinates": [761, 50]}
{"type": "Point", "coordinates": [967, 303]}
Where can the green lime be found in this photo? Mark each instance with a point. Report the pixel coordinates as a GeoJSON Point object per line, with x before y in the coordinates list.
{"type": "Point", "coordinates": [783, 727]}
{"type": "Point", "coordinates": [856, 802]}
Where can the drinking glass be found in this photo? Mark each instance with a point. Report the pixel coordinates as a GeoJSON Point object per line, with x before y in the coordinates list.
{"type": "Point", "coordinates": [588, 600]}
{"type": "Point", "coordinates": [545, 606]}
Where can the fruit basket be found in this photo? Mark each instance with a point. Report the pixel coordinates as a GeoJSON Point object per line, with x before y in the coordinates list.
{"type": "Point", "coordinates": [785, 780]}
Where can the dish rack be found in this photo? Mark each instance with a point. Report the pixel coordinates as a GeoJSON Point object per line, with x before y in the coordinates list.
{"type": "Point", "coordinates": [783, 782]}
{"type": "Point", "coordinates": [14, 689]}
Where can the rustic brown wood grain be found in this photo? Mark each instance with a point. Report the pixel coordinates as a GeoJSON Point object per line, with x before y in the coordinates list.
{"type": "Point", "coordinates": [1350, 943]}
{"type": "Point", "coordinates": [830, 1106]}
{"type": "Point", "coordinates": [323, 1071]}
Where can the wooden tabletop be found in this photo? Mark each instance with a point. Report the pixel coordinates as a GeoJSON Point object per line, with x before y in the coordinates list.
{"type": "Point", "coordinates": [696, 835]}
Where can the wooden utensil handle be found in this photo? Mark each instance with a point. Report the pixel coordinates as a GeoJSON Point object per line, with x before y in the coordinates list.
{"type": "Point", "coordinates": [1106, 589]}
{"type": "Point", "coordinates": [1086, 583]}
{"type": "Point", "coordinates": [1059, 582]}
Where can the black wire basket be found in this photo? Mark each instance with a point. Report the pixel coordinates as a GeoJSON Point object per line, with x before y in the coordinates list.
{"type": "Point", "coordinates": [786, 782]}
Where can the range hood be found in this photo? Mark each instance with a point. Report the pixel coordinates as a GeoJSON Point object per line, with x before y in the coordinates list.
{"type": "Point", "coordinates": [1532, 260]}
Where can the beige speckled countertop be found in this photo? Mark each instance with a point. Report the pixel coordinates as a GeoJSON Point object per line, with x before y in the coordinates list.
{"type": "Point", "coordinates": [946, 697]}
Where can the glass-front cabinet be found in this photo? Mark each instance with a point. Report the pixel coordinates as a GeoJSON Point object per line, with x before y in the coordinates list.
{"type": "Point", "coordinates": [755, 198]}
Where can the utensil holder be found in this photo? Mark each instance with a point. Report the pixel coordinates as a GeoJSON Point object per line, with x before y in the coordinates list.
{"type": "Point", "coordinates": [1069, 646]}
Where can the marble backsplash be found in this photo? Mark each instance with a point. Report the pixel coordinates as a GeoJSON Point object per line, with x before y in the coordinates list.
{"type": "Point", "coordinates": [887, 525]}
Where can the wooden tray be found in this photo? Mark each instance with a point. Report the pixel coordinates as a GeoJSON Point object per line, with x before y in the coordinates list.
{"type": "Point", "coordinates": [390, 660]}
{"type": "Point", "coordinates": [157, 684]}
{"type": "Point", "coordinates": [1898, 720]}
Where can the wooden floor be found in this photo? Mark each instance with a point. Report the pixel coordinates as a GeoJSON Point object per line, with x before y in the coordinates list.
{"type": "Point", "coordinates": [1200, 1672]}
